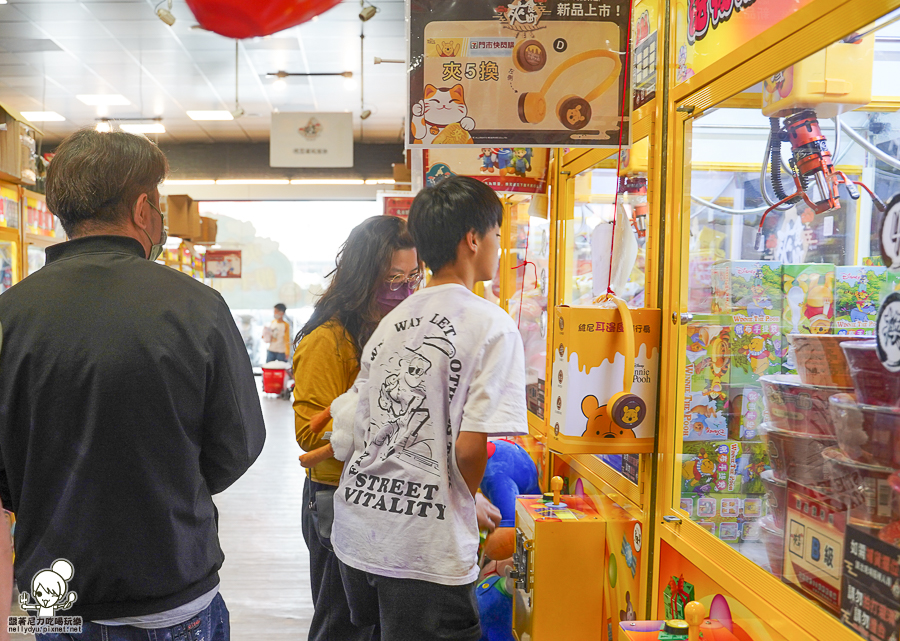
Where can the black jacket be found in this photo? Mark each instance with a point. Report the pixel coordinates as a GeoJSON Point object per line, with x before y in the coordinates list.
{"type": "Point", "coordinates": [127, 400]}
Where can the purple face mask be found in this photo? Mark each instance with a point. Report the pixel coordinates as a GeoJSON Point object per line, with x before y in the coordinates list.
{"type": "Point", "coordinates": [388, 300]}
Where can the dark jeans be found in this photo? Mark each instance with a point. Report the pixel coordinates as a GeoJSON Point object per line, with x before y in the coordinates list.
{"type": "Point", "coordinates": [276, 356]}
{"type": "Point", "coordinates": [209, 625]}
{"type": "Point", "coordinates": [411, 610]}
{"type": "Point", "coordinates": [331, 618]}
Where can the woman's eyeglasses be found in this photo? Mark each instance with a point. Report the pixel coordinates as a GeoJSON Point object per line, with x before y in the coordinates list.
{"type": "Point", "coordinates": [398, 280]}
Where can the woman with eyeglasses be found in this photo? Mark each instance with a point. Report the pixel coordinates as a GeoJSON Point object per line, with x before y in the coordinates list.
{"type": "Point", "coordinates": [377, 268]}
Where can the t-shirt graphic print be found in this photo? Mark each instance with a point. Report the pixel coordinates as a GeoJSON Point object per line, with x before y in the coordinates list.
{"type": "Point", "coordinates": [444, 361]}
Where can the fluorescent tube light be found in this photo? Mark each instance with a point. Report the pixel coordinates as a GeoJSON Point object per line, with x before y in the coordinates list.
{"type": "Point", "coordinates": [42, 116]}
{"type": "Point", "coordinates": [253, 182]}
{"type": "Point", "coordinates": [143, 128]}
{"type": "Point", "coordinates": [381, 181]}
{"type": "Point", "coordinates": [210, 115]}
{"type": "Point", "coordinates": [104, 100]}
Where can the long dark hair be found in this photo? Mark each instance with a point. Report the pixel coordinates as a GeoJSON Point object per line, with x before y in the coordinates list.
{"type": "Point", "coordinates": [362, 265]}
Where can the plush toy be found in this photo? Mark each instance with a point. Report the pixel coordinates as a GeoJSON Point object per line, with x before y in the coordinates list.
{"type": "Point", "coordinates": [509, 472]}
{"type": "Point", "coordinates": [495, 609]}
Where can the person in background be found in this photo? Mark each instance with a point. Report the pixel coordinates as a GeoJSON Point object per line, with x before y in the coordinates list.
{"type": "Point", "coordinates": [127, 401]}
{"type": "Point", "coordinates": [377, 268]}
{"type": "Point", "coordinates": [278, 335]}
{"type": "Point", "coordinates": [441, 373]}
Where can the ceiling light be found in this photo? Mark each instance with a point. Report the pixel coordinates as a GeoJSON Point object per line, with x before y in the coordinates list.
{"type": "Point", "coordinates": [368, 13]}
{"type": "Point", "coordinates": [103, 127]}
{"type": "Point", "coordinates": [104, 100]}
{"type": "Point", "coordinates": [210, 115]}
{"type": "Point", "coordinates": [253, 182]}
{"type": "Point", "coordinates": [42, 116]}
{"type": "Point", "coordinates": [380, 181]}
{"type": "Point", "coordinates": [365, 114]}
{"type": "Point", "coordinates": [143, 128]}
{"type": "Point", "coordinates": [279, 84]}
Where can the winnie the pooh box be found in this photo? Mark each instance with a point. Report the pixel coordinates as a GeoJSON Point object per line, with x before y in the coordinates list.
{"type": "Point", "coordinates": [604, 380]}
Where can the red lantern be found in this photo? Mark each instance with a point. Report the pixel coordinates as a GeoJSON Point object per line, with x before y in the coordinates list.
{"type": "Point", "coordinates": [248, 19]}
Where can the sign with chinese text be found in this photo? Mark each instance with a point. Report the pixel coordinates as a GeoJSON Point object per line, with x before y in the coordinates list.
{"type": "Point", "coordinates": [225, 263]}
{"type": "Point", "coordinates": [870, 594]}
{"type": "Point", "coordinates": [505, 169]}
{"type": "Point", "coordinates": [397, 206]}
{"type": "Point", "coordinates": [523, 73]}
{"type": "Point", "coordinates": [311, 140]}
{"type": "Point", "coordinates": [814, 543]}
{"type": "Point", "coordinates": [708, 30]}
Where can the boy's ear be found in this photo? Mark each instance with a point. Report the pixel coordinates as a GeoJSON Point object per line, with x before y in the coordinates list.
{"type": "Point", "coordinates": [471, 240]}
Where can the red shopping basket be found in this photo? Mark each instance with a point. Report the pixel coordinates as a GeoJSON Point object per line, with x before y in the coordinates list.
{"type": "Point", "coordinates": [273, 380]}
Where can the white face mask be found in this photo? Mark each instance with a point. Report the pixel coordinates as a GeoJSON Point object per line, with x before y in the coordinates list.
{"type": "Point", "coordinates": [156, 249]}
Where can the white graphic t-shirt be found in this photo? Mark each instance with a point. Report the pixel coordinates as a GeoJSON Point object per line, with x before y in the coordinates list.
{"type": "Point", "coordinates": [444, 361]}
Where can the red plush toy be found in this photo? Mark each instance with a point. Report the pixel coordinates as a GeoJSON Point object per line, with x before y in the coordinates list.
{"type": "Point", "coordinates": [242, 19]}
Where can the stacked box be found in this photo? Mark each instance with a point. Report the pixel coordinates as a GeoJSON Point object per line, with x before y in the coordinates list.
{"type": "Point", "coordinates": [808, 306]}
{"type": "Point", "coordinates": [723, 467]}
{"type": "Point", "coordinates": [731, 518]}
{"type": "Point", "coordinates": [891, 285]}
{"type": "Point", "coordinates": [746, 412]}
{"type": "Point", "coordinates": [700, 291]}
{"type": "Point", "coordinates": [707, 376]}
{"type": "Point", "coordinates": [757, 350]}
{"type": "Point", "coordinates": [856, 292]}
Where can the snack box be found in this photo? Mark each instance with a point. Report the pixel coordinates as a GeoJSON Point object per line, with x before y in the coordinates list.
{"type": "Point", "coordinates": [729, 517]}
{"type": "Point", "coordinates": [746, 412]}
{"type": "Point", "coordinates": [856, 292]}
{"type": "Point", "coordinates": [808, 305]}
{"type": "Point", "coordinates": [747, 289]}
{"type": "Point", "coordinates": [756, 350]}
{"type": "Point", "coordinates": [707, 377]}
{"type": "Point", "coordinates": [723, 467]}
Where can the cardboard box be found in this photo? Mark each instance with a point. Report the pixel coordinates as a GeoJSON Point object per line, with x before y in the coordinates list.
{"type": "Point", "coordinates": [749, 290]}
{"type": "Point", "coordinates": [757, 350]}
{"type": "Point", "coordinates": [209, 229]}
{"type": "Point", "coordinates": [707, 375]}
{"type": "Point", "coordinates": [746, 412]}
{"type": "Point", "coordinates": [808, 306]}
{"type": "Point", "coordinates": [856, 291]}
{"type": "Point", "coordinates": [177, 211]}
{"type": "Point", "coordinates": [729, 517]}
{"type": "Point", "coordinates": [723, 467]}
{"type": "Point", "coordinates": [589, 369]}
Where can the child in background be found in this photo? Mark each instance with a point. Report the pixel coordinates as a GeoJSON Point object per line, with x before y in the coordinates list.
{"type": "Point", "coordinates": [442, 372]}
{"type": "Point", "coordinates": [278, 335]}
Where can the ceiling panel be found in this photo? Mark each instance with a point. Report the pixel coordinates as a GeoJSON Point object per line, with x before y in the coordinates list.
{"type": "Point", "coordinates": [137, 10]}
{"type": "Point", "coordinates": [54, 12]}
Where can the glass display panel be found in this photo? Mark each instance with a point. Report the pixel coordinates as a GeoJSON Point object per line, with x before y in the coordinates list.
{"type": "Point", "coordinates": [37, 258]}
{"type": "Point", "coordinates": [9, 272]}
{"type": "Point", "coordinates": [791, 432]}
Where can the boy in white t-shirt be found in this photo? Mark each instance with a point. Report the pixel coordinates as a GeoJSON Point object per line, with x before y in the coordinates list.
{"type": "Point", "coordinates": [442, 372]}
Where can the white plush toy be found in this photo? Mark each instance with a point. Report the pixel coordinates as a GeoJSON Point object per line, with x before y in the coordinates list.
{"type": "Point", "coordinates": [341, 413]}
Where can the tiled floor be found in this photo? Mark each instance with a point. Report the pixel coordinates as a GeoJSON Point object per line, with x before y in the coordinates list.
{"type": "Point", "coordinates": [265, 579]}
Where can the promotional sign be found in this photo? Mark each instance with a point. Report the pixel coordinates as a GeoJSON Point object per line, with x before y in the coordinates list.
{"type": "Point", "coordinates": [225, 263]}
{"type": "Point", "coordinates": [520, 170]}
{"type": "Point", "coordinates": [887, 333]}
{"type": "Point", "coordinates": [870, 594]}
{"type": "Point", "coordinates": [814, 543]}
{"type": "Point", "coordinates": [311, 140]}
{"type": "Point", "coordinates": [397, 206]}
{"type": "Point", "coordinates": [708, 30]}
{"type": "Point", "coordinates": [643, 51]}
{"type": "Point", "coordinates": [528, 73]}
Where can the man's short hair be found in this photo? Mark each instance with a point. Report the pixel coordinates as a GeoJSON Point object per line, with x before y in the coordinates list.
{"type": "Point", "coordinates": [280, 307]}
{"type": "Point", "coordinates": [441, 216]}
{"type": "Point", "coordinates": [95, 178]}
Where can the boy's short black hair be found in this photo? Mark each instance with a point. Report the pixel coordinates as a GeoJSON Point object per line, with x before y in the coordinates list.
{"type": "Point", "coordinates": [441, 216]}
{"type": "Point", "coordinates": [280, 307]}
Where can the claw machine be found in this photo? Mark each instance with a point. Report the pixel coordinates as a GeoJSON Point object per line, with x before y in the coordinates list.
{"type": "Point", "coordinates": [781, 153]}
{"type": "Point", "coordinates": [40, 230]}
{"type": "Point", "coordinates": [10, 237]}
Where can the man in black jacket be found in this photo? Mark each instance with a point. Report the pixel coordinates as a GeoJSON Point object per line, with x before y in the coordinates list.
{"type": "Point", "coordinates": [126, 401]}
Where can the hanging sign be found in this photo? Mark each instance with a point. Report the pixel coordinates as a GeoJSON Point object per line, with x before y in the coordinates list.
{"type": "Point", "coordinates": [887, 333]}
{"type": "Point", "coordinates": [708, 30]}
{"type": "Point", "coordinates": [398, 206]}
{"type": "Point", "coordinates": [870, 586]}
{"type": "Point", "coordinates": [311, 140]}
{"type": "Point", "coordinates": [526, 73]}
{"type": "Point", "coordinates": [224, 263]}
{"type": "Point", "coordinates": [644, 51]}
{"type": "Point", "coordinates": [520, 170]}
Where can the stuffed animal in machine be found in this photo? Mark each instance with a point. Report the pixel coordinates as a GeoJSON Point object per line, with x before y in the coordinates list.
{"type": "Point", "coordinates": [509, 473]}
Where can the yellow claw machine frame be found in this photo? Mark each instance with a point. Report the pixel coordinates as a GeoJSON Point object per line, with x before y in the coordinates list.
{"type": "Point", "coordinates": [40, 230]}
{"type": "Point", "coordinates": [10, 237]}
{"type": "Point", "coordinates": [766, 144]}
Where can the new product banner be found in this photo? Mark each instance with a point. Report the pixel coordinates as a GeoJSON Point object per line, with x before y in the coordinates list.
{"type": "Point", "coordinates": [708, 30]}
{"type": "Point", "coordinates": [311, 139]}
{"type": "Point", "coordinates": [520, 170]}
{"type": "Point", "coordinates": [526, 73]}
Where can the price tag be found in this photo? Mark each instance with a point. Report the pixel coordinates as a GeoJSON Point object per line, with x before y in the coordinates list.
{"type": "Point", "coordinates": [887, 332]}
{"type": "Point", "coordinates": [889, 234]}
